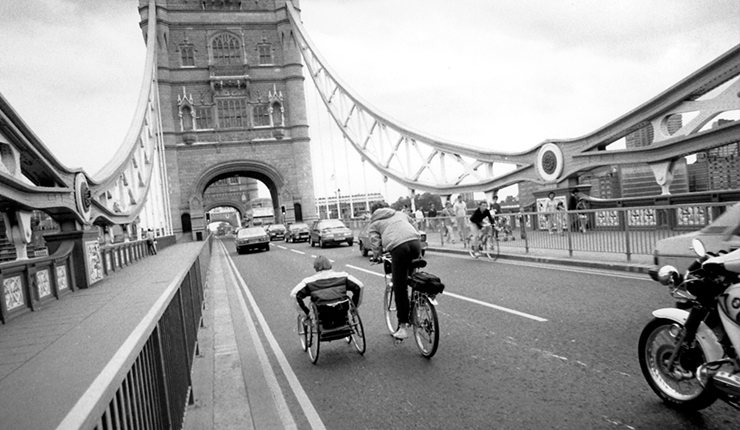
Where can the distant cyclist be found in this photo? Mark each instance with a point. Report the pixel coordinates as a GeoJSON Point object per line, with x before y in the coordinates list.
{"type": "Point", "coordinates": [394, 232]}
{"type": "Point", "coordinates": [476, 225]}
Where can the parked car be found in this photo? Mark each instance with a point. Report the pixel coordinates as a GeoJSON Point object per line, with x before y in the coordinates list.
{"type": "Point", "coordinates": [330, 232]}
{"type": "Point", "coordinates": [275, 231]}
{"type": "Point", "coordinates": [722, 234]}
{"type": "Point", "coordinates": [296, 232]}
{"type": "Point", "coordinates": [252, 238]}
{"type": "Point", "coordinates": [363, 241]}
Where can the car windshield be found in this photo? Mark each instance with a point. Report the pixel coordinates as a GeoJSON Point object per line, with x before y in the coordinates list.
{"type": "Point", "coordinates": [251, 231]}
{"type": "Point", "coordinates": [332, 223]}
{"type": "Point", "coordinates": [731, 218]}
{"type": "Point", "coordinates": [277, 227]}
{"type": "Point", "coordinates": [298, 226]}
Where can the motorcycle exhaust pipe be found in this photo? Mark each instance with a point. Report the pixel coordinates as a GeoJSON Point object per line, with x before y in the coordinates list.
{"type": "Point", "coordinates": [709, 374]}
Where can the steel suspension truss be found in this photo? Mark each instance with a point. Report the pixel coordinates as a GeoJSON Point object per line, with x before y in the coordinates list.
{"type": "Point", "coordinates": [425, 163]}
{"type": "Point", "coordinates": [130, 186]}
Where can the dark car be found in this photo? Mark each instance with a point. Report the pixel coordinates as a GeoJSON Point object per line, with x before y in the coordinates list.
{"type": "Point", "coordinates": [296, 232]}
{"type": "Point", "coordinates": [363, 241]}
{"type": "Point", "coordinates": [275, 231]}
{"type": "Point", "coordinates": [252, 238]}
{"type": "Point", "coordinates": [330, 232]}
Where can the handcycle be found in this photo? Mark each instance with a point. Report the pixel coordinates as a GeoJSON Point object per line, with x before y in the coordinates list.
{"type": "Point", "coordinates": [422, 308]}
{"type": "Point", "coordinates": [328, 321]}
{"type": "Point", "coordinates": [488, 243]}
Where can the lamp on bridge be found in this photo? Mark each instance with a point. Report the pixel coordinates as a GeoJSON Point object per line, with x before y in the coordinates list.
{"type": "Point", "coordinates": [339, 209]}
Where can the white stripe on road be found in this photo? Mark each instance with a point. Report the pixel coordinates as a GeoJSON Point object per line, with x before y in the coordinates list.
{"type": "Point", "coordinates": [468, 299]}
{"type": "Point", "coordinates": [308, 409]}
{"type": "Point", "coordinates": [298, 252]}
{"type": "Point", "coordinates": [277, 394]}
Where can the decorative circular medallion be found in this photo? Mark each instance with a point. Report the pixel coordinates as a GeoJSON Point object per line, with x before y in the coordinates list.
{"type": "Point", "coordinates": [83, 197]}
{"type": "Point", "coordinates": [550, 162]}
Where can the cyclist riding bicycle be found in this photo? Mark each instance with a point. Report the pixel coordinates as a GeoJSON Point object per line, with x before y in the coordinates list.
{"type": "Point", "coordinates": [394, 232]}
{"type": "Point", "coordinates": [476, 224]}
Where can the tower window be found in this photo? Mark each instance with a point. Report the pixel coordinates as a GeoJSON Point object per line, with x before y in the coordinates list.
{"type": "Point", "coordinates": [226, 50]}
{"type": "Point", "coordinates": [265, 54]}
{"type": "Point", "coordinates": [261, 115]}
{"type": "Point", "coordinates": [204, 118]}
{"type": "Point", "coordinates": [232, 113]}
{"type": "Point", "coordinates": [187, 56]}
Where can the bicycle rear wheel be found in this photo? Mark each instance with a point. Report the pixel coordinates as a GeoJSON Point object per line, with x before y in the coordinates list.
{"type": "Point", "coordinates": [389, 308]}
{"type": "Point", "coordinates": [486, 245]}
{"type": "Point", "coordinates": [494, 253]}
{"type": "Point", "coordinates": [313, 337]}
{"type": "Point", "coordinates": [426, 325]}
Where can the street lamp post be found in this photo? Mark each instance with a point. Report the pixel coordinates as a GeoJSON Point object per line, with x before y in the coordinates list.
{"type": "Point", "coordinates": [339, 209]}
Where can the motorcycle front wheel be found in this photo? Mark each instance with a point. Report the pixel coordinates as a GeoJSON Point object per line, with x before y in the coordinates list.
{"type": "Point", "coordinates": [677, 386]}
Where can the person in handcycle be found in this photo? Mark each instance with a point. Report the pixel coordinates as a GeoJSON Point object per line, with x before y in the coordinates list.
{"type": "Point", "coordinates": [477, 227]}
{"type": "Point", "coordinates": [328, 290]}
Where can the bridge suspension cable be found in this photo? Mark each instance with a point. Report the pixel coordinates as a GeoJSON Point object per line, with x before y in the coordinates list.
{"type": "Point", "coordinates": [425, 163]}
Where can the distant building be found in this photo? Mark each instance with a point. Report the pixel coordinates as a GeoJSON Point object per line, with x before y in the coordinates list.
{"type": "Point", "coordinates": [351, 206]}
{"type": "Point", "coordinates": [717, 168]}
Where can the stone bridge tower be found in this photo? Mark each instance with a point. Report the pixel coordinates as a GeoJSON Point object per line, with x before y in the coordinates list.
{"type": "Point", "coordinates": [232, 104]}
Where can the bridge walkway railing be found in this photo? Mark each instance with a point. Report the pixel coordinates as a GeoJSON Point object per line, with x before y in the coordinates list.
{"type": "Point", "coordinates": [625, 231]}
{"type": "Point", "coordinates": [115, 355]}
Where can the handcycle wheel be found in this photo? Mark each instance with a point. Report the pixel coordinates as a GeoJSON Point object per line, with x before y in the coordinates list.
{"type": "Point", "coordinates": [426, 326]}
{"type": "Point", "coordinates": [303, 332]}
{"type": "Point", "coordinates": [389, 309]}
{"type": "Point", "coordinates": [314, 335]}
{"type": "Point", "coordinates": [358, 332]}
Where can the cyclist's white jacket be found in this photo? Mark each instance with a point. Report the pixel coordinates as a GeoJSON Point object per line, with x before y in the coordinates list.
{"type": "Point", "coordinates": [390, 228]}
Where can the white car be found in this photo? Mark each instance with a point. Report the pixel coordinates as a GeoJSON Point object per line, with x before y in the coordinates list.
{"type": "Point", "coordinates": [722, 234]}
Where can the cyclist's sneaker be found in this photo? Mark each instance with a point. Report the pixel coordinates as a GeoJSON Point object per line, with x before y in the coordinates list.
{"type": "Point", "coordinates": [472, 253]}
{"type": "Point", "coordinates": [401, 333]}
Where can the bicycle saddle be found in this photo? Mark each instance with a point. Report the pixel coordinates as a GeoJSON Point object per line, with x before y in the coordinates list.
{"type": "Point", "coordinates": [418, 263]}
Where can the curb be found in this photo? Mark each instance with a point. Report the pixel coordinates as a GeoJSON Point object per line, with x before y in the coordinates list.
{"type": "Point", "coordinates": [622, 267]}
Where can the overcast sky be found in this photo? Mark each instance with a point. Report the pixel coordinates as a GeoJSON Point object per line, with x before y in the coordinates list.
{"type": "Point", "coordinates": [503, 75]}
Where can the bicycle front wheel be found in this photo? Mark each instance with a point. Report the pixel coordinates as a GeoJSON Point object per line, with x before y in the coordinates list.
{"type": "Point", "coordinates": [426, 326]}
{"type": "Point", "coordinates": [389, 308]}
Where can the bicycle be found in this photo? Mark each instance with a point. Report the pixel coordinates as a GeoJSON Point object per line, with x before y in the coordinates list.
{"type": "Point", "coordinates": [422, 310]}
{"type": "Point", "coordinates": [488, 243]}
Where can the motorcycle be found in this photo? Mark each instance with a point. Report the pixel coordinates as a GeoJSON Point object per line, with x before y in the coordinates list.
{"type": "Point", "coordinates": [689, 354]}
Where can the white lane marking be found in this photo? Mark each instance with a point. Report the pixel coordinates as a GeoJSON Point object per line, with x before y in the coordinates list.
{"type": "Point", "coordinates": [280, 246]}
{"type": "Point", "coordinates": [298, 252]}
{"type": "Point", "coordinates": [277, 394]}
{"type": "Point", "coordinates": [457, 296]}
{"type": "Point", "coordinates": [308, 409]}
{"type": "Point", "coordinates": [560, 267]}
{"type": "Point", "coordinates": [500, 308]}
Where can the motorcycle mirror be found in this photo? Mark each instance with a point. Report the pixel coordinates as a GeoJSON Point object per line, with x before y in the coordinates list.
{"type": "Point", "coordinates": [698, 247]}
{"type": "Point", "coordinates": [667, 275]}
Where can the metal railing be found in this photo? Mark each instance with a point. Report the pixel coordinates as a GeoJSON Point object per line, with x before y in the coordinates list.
{"type": "Point", "coordinates": [629, 231]}
{"type": "Point", "coordinates": [152, 386]}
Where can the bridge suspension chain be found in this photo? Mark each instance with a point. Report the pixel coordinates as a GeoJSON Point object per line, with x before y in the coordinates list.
{"type": "Point", "coordinates": [425, 163]}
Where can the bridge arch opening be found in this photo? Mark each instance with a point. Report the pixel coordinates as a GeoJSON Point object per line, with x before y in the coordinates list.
{"type": "Point", "coordinates": [255, 189]}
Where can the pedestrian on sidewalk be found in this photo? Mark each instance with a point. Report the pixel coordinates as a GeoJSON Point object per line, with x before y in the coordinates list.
{"type": "Point", "coordinates": [151, 243]}
{"type": "Point", "coordinates": [448, 222]}
{"type": "Point", "coordinates": [572, 203]}
{"type": "Point", "coordinates": [432, 217]}
{"type": "Point", "coordinates": [460, 209]}
{"type": "Point", "coordinates": [551, 209]}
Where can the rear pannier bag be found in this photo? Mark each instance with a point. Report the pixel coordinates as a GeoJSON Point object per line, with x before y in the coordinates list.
{"type": "Point", "coordinates": [426, 283]}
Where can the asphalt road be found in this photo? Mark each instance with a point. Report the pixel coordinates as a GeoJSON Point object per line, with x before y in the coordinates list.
{"type": "Point", "coordinates": [523, 346]}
